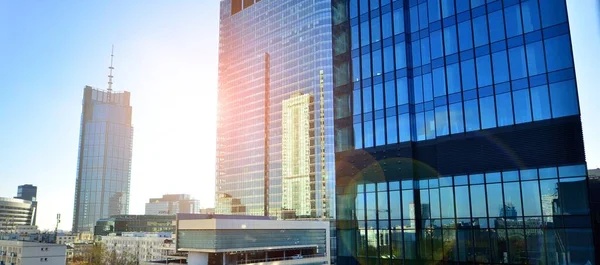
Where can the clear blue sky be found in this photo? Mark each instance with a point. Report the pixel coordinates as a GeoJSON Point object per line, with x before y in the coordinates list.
{"type": "Point", "coordinates": [166, 55]}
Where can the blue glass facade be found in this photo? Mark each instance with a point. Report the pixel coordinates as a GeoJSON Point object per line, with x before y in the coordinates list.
{"type": "Point", "coordinates": [104, 165]}
{"type": "Point", "coordinates": [271, 50]}
{"type": "Point", "coordinates": [478, 95]}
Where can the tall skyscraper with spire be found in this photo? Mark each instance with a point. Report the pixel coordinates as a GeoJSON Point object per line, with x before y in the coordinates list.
{"type": "Point", "coordinates": [105, 148]}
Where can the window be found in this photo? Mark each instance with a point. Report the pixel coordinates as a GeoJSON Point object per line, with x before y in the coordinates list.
{"type": "Point", "coordinates": [472, 115]}
{"type": "Point", "coordinates": [531, 15]}
{"type": "Point", "coordinates": [558, 53]}
{"type": "Point", "coordinates": [414, 19]}
{"type": "Point", "coordinates": [494, 199]}
{"type": "Point", "coordinates": [355, 37]}
{"type": "Point", "coordinates": [437, 47]}
{"type": "Point", "coordinates": [425, 53]}
{"type": "Point", "coordinates": [378, 96]}
{"type": "Point", "coordinates": [356, 109]}
{"type": "Point", "coordinates": [484, 71]}
{"type": "Point", "coordinates": [404, 125]}
{"type": "Point", "coordinates": [402, 91]}
{"type": "Point", "coordinates": [518, 65]}
{"type": "Point", "coordinates": [465, 35]}
{"type": "Point", "coordinates": [451, 46]}
{"type": "Point", "coordinates": [453, 73]}
{"type": "Point", "coordinates": [439, 82]}
{"type": "Point", "coordinates": [398, 21]}
{"type": "Point", "coordinates": [553, 12]}
{"type": "Point", "coordinates": [540, 103]}
{"type": "Point", "coordinates": [531, 202]}
{"type": "Point", "coordinates": [423, 22]}
{"type": "Point", "coordinates": [387, 25]}
{"type": "Point", "coordinates": [488, 112]}
{"type": "Point", "coordinates": [480, 31]}
{"type": "Point", "coordinates": [463, 209]}
{"type": "Point", "coordinates": [375, 30]}
{"type": "Point", "coordinates": [496, 22]}
{"type": "Point", "coordinates": [427, 87]}
{"type": "Point", "coordinates": [364, 6]}
{"type": "Point", "coordinates": [380, 132]}
{"type": "Point", "coordinates": [367, 100]}
{"type": "Point", "coordinates": [447, 8]}
{"type": "Point", "coordinates": [400, 55]}
{"type": "Point", "coordinates": [447, 202]}
{"type": "Point", "coordinates": [430, 124]}
{"type": "Point", "coordinates": [368, 127]}
{"type": "Point", "coordinates": [392, 129]}
{"type": "Point", "coordinates": [420, 126]}
{"type": "Point", "coordinates": [535, 58]}
{"type": "Point", "coordinates": [416, 53]}
{"type": "Point", "coordinates": [513, 21]}
{"type": "Point", "coordinates": [456, 118]}
{"type": "Point", "coordinates": [364, 33]}
{"type": "Point", "coordinates": [418, 89]}
{"type": "Point", "coordinates": [356, 68]}
{"type": "Point", "coordinates": [563, 96]}
{"type": "Point", "coordinates": [353, 8]}
{"type": "Point", "coordinates": [500, 63]}
{"type": "Point", "coordinates": [441, 121]}
{"type": "Point", "coordinates": [478, 201]}
{"type": "Point", "coordinates": [388, 59]}
{"type": "Point", "coordinates": [358, 136]}
{"type": "Point", "coordinates": [462, 6]}
{"type": "Point", "coordinates": [434, 10]}
{"type": "Point", "coordinates": [504, 109]}
{"type": "Point", "coordinates": [390, 94]}
{"type": "Point", "coordinates": [366, 65]}
{"type": "Point", "coordinates": [522, 106]}
{"type": "Point", "coordinates": [468, 74]}
{"type": "Point", "coordinates": [377, 64]}
{"type": "Point", "coordinates": [374, 4]}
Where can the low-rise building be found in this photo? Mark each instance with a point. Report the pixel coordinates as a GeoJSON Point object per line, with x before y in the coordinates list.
{"type": "Point", "coordinates": [228, 240]}
{"type": "Point", "coordinates": [14, 213]}
{"type": "Point", "coordinates": [142, 247]}
{"type": "Point", "coordinates": [31, 253]}
{"type": "Point", "coordinates": [119, 224]}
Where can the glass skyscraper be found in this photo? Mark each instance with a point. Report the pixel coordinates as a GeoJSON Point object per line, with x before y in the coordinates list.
{"type": "Point", "coordinates": [275, 109]}
{"type": "Point", "coordinates": [458, 134]}
{"type": "Point", "coordinates": [104, 166]}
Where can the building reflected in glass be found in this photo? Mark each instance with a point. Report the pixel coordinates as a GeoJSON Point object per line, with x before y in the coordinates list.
{"type": "Point", "coordinates": [275, 154]}
{"type": "Point", "coordinates": [458, 135]}
{"type": "Point", "coordinates": [104, 165]}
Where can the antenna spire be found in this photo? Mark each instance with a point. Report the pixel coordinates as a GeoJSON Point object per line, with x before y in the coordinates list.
{"type": "Point", "coordinates": [111, 68]}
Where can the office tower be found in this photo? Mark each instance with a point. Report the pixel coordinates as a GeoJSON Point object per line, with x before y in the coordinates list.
{"type": "Point", "coordinates": [28, 192]}
{"type": "Point", "coordinates": [297, 163]}
{"type": "Point", "coordinates": [15, 213]}
{"type": "Point", "coordinates": [470, 110]}
{"type": "Point", "coordinates": [275, 61]}
{"type": "Point", "coordinates": [172, 204]}
{"type": "Point", "coordinates": [104, 165]}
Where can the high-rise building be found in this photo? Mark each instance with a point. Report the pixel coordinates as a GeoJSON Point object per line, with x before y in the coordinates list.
{"type": "Point", "coordinates": [28, 192]}
{"type": "Point", "coordinates": [104, 164]}
{"type": "Point", "coordinates": [297, 162]}
{"type": "Point", "coordinates": [171, 204]}
{"type": "Point", "coordinates": [275, 81]}
{"type": "Point", "coordinates": [469, 111]}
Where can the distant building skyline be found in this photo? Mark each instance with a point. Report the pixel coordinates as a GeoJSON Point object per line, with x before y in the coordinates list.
{"type": "Point", "coordinates": [170, 204]}
{"type": "Point", "coordinates": [104, 163]}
